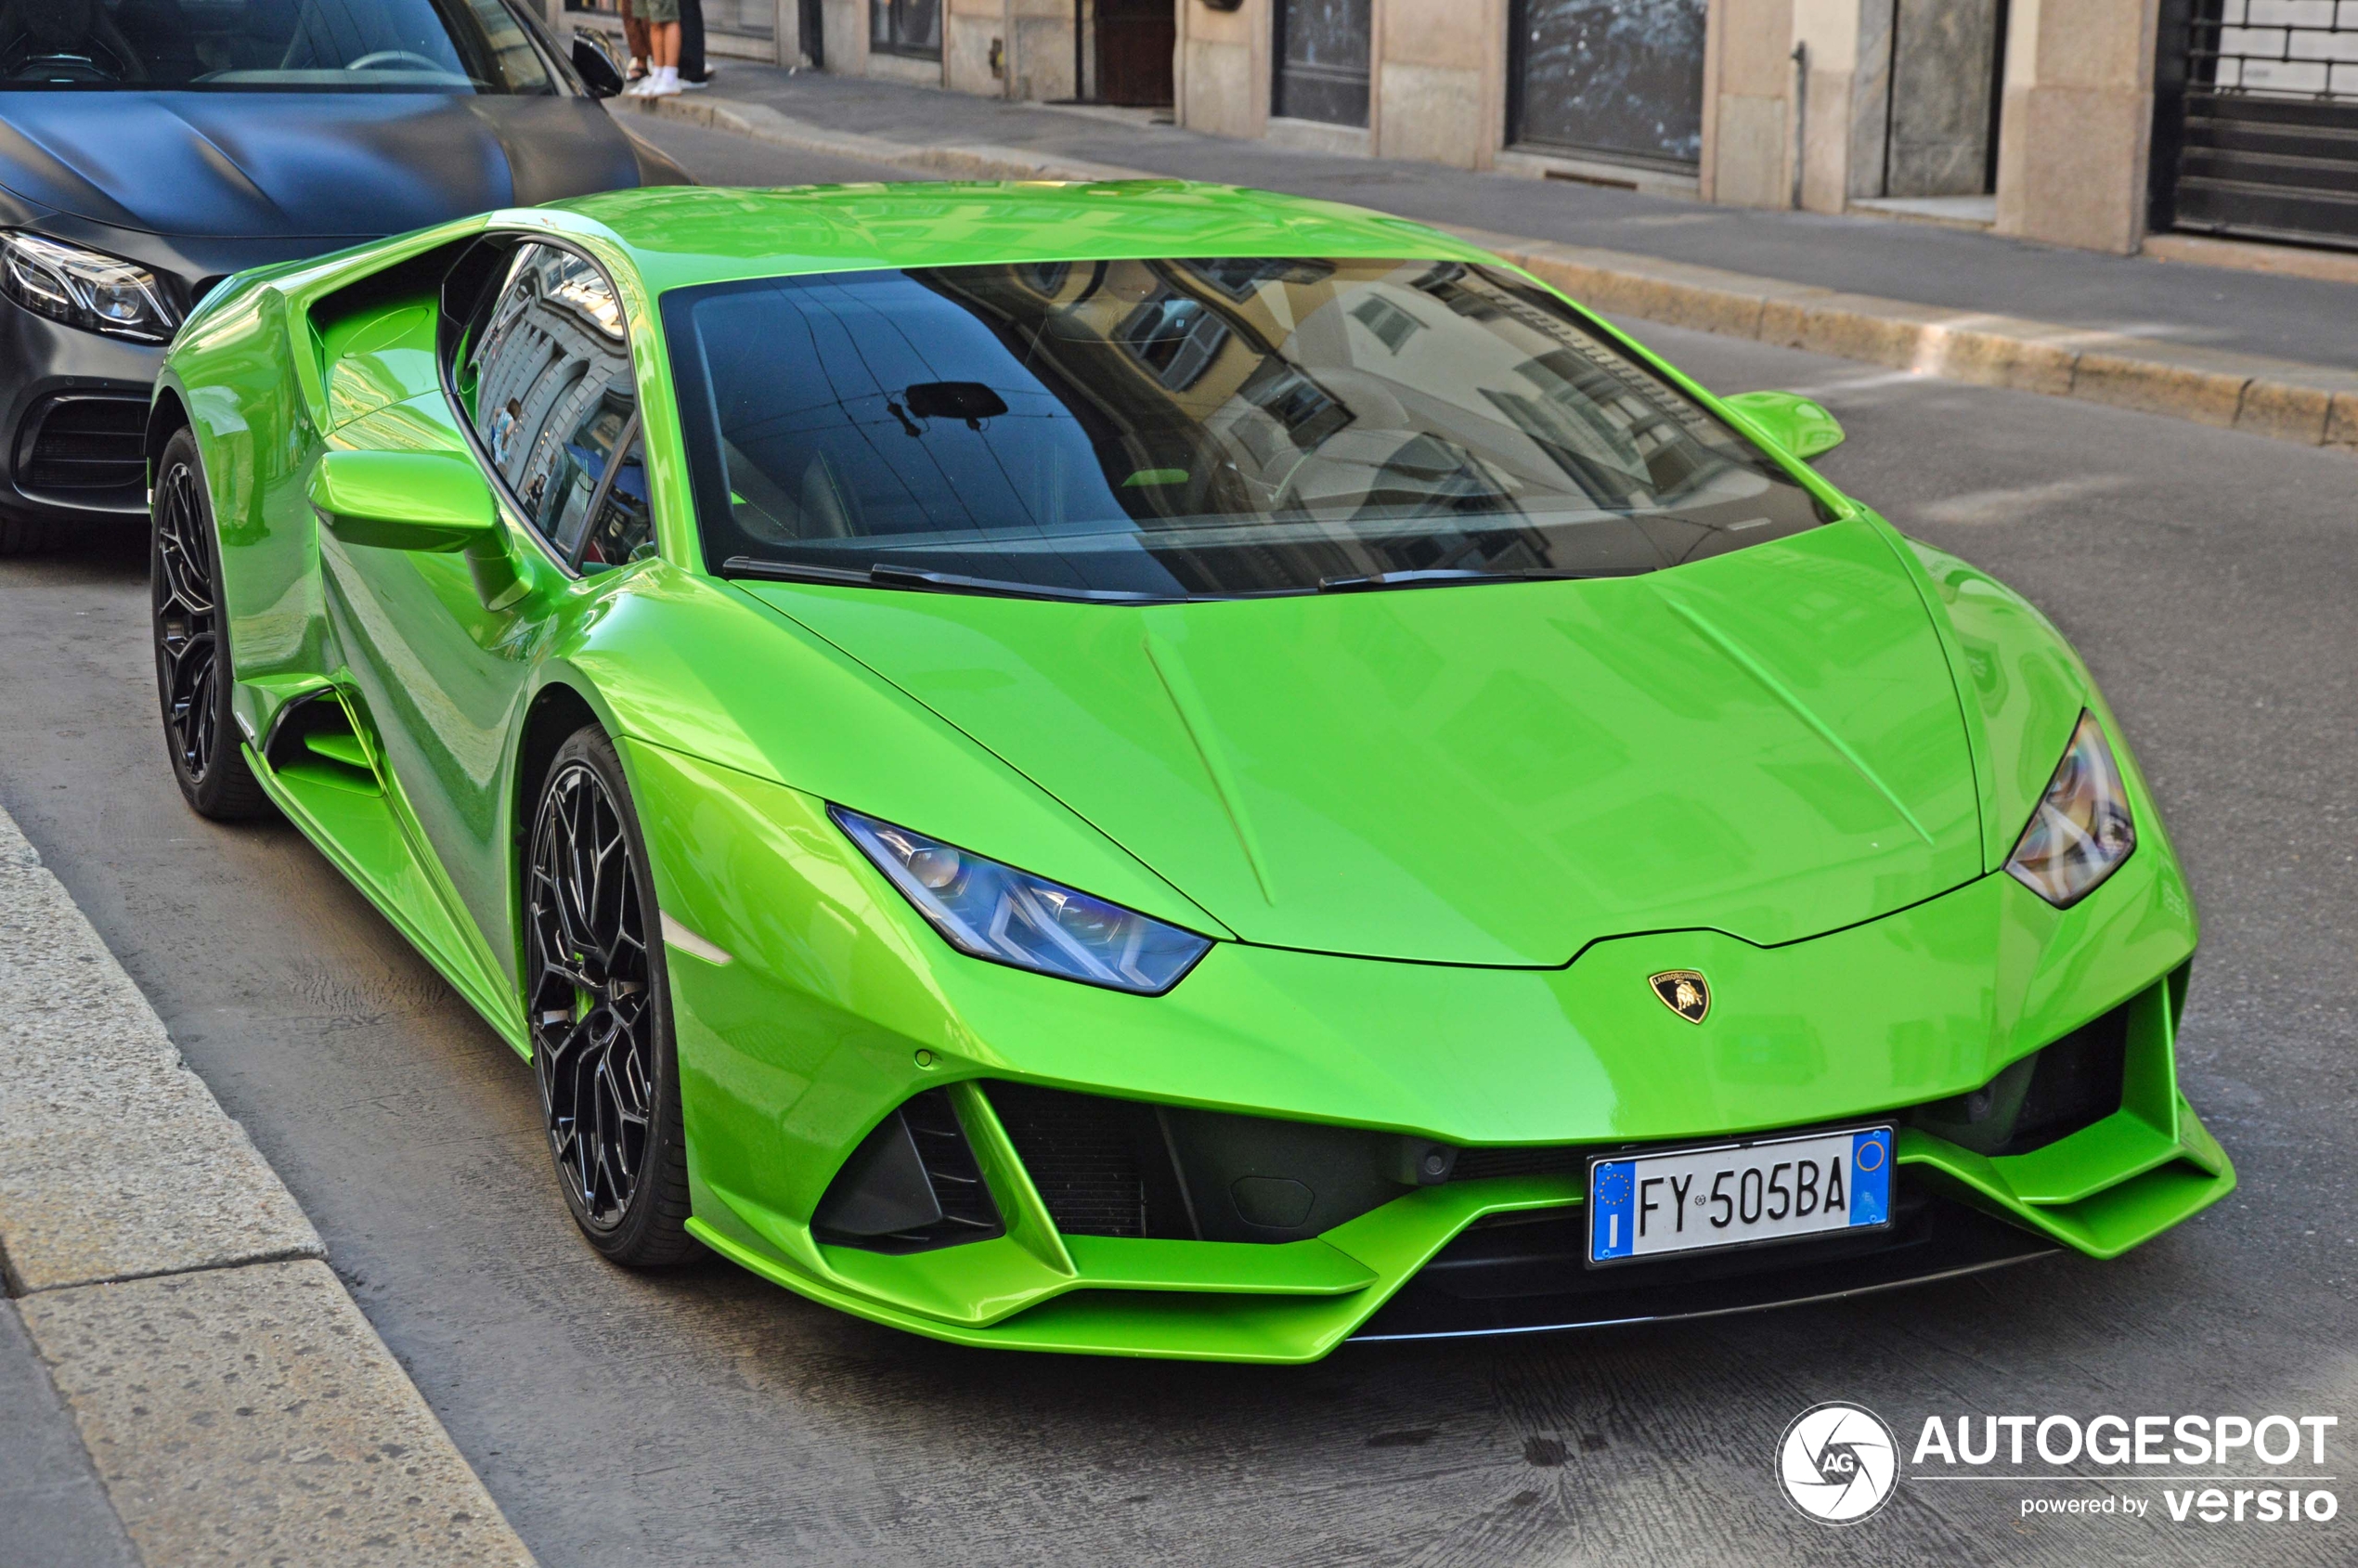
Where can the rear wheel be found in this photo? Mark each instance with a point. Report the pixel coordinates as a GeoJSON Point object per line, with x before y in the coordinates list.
{"type": "Point", "coordinates": [192, 642]}
{"type": "Point", "coordinates": [601, 1012]}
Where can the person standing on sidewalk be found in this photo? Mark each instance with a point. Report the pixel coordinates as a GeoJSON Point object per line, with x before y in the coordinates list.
{"type": "Point", "coordinates": [693, 73]}
{"type": "Point", "coordinates": [662, 80]}
{"type": "Point", "coordinates": [634, 36]}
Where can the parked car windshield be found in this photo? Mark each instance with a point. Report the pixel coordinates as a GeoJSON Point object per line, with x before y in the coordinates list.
{"type": "Point", "coordinates": [260, 45]}
{"type": "Point", "coordinates": [1204, 428]}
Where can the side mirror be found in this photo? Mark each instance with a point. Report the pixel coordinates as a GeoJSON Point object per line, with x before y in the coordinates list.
{"type": "Point", "coordinates": [432, 501]}
{"type": "Point", "coordinates": [594, 65]}
{"type": "Point", "coordinates": [1793, 422]}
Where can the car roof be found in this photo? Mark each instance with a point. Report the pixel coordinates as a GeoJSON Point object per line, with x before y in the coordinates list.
{"type": "Point", "coordinates": [697, 234]}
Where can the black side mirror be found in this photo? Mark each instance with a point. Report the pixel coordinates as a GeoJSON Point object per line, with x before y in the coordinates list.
{"type": "Point", "coordinates": [594, 65]}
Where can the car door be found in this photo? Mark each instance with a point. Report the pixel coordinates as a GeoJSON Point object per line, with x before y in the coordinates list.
{"type": "Point", "coordinates": [543, 397]}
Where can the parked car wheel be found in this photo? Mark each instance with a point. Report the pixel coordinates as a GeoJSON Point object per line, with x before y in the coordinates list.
{"type": "Point", "coordinates": [192, 642]}
{"type": "Point", "coordinates": [601, 1012]}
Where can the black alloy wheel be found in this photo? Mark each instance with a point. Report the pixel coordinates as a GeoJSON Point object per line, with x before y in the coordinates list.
{"type": "Point", "coordinates": [192, 645]}
{"type": "Point", "coordinates": [599, 1012]}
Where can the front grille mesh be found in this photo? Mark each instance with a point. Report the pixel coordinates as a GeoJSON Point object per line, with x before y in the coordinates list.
{"type": "Point", "coordinates": [1081, 1152]}
{"type": "Point", "coordinates": [2077, 1082]}
{"type": "Point", "coordinates": [86, 446]}
{"type": "Point", "coordinates": [1474, 1165]}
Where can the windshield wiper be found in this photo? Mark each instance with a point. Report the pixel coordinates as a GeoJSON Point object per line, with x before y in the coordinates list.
{"type": "Point", "coordinates": [949, 582]}
{"type": "Point", "coordinates": [1444, 576]}
{"type": "Point", "coordinates": [883, 574]}
{"type": "Point", "coordinates": [786, 571]}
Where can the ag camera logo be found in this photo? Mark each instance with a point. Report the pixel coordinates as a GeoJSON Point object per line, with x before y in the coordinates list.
{"type": "Point", "coordinates": [1838, 1463]}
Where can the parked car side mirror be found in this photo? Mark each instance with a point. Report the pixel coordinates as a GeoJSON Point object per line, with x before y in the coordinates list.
{"type": "Point", "coordinates": [1798, 424]}
{"type": "Point", "coordinates": [594, 65]}
{"type": "Point", "coordinates": [431, 502]}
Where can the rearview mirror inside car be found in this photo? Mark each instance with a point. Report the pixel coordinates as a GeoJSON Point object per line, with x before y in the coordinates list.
{"type": "Point", "coordinates": [434, 501]}
{"type": "Point", "coordinates": [594, 65]}
{"type": "Point", "coordinates": [1798, 424]}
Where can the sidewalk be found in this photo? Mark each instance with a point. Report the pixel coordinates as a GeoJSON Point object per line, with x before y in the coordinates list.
{"type": "Point", "coordinates": [183, 1378]}
{"type": "Point", "coordinates": [2295, 319]}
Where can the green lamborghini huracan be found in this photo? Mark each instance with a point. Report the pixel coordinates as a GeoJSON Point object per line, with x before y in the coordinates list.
{"type": "Point", "coordinates": [1162, 770]}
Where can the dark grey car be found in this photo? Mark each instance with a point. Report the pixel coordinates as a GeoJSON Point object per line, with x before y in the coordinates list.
{"type": "Point", "coordinates": [150, 148]}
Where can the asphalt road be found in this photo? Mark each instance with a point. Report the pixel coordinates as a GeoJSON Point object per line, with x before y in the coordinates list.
{"type": "Point", "coordinates": [702, 1416]}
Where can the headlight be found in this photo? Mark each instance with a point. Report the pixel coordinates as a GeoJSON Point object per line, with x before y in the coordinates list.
{"type": "Point", "coordinates": [1010, 917]}
{"type": "Point", "coordinates": [84, 288]}
{"type": "Point", "coordinates": [2080, 832]}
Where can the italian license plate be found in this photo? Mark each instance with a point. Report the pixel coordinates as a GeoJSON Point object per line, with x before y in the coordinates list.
{"type": "Point", "coordinates": [1732, 1195]}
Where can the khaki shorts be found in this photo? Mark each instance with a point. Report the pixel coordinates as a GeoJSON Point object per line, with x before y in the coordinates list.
{"type": "Point", "coordinates": [656, 12]}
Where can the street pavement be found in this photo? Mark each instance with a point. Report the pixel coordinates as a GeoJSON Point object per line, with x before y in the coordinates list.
{"type": "Point", "coordinates": [2309, 320]}
{"type": "Point", "coordinates": [703, 1417]}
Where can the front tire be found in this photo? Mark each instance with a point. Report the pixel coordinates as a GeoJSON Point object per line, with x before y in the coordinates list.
{"type": "Point", "coordinates": [191, 634]}
{"type": "Point", "coordinates": [601, 1012]}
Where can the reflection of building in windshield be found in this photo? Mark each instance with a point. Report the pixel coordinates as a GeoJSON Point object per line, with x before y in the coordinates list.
{"type": "Point", "coordinates": [1221, 396]}
{"type": "Point", "coordinates": [1164, 426]}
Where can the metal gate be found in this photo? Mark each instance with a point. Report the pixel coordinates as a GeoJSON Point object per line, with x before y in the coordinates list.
{"type": "Point", "coordinates": [1617, 79]}
{"type": "Point", "coordinates": [2256, 128]}
{"type": "Point", "coordinates": [1321, 55]}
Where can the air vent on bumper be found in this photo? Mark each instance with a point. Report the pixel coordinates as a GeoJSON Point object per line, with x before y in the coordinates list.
{"type": "Point", "coordinates": [910, 1187]}
{"type": "Point", "coordinates": [1109, 1167]}
{"type": "Point", "coordinates": [84, 449]}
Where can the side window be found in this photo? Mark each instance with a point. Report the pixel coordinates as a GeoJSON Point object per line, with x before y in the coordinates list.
{"type": "Point", "coordinates": [556, 405]}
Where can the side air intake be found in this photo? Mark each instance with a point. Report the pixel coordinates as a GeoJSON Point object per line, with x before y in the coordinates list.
{"type": "Point", "coordinates": [910, 1187]}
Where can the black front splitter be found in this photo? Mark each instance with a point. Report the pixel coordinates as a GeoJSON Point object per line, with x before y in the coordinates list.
{"type": "Point", "coordinates": [1531, 1278]}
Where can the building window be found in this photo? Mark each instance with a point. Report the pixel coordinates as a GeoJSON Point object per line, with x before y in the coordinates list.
{"type": "Point", "coordinates": [1620, 79]}
{"type": "Point", "coordinates": [1322, 48]}
{"type": "Point", "coordinates": [906, 27]}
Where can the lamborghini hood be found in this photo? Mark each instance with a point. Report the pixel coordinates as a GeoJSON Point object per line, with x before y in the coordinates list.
{"type": "Point", "coordinates": [1767, 743]}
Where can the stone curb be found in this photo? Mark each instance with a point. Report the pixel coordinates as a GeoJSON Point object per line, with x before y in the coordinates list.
{"type": "Point", "coordinates": [2312, 406]}
{"type": "Point", "coordinates": [236, 1404]}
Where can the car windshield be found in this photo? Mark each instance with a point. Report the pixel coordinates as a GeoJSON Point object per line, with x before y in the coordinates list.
{"type": "Point", "coordinates": [1195, 429]}
{"type": "Point", "coordinates": [263, 45]}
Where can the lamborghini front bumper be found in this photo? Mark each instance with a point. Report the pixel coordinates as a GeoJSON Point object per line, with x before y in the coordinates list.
{"type": "Point", "coordinates": [834, 1015]}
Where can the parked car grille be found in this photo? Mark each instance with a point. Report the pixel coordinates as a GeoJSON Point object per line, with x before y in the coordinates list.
{"type": "Point", "coordinates": [86, 448]}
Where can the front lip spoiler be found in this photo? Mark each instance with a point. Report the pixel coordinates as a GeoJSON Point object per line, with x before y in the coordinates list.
{"type": "Point", "coordinates": [1958, 1241]}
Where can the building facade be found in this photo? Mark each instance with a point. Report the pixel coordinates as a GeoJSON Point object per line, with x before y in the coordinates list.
{"type": "Point", "coordinates": [2084, 123]}
{"type": "Point", "coordinates": [1093, 51]}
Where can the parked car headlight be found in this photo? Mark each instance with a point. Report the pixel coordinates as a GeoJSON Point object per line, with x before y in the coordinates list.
{"type": "Point", "coordinates": [85, 289]}
{"type": "Point", "coordinates": [2080, 832]}
{"type": "Point", "coordinates": [992, 911]}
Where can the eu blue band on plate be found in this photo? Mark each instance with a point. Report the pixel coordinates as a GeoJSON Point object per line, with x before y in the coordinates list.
{"type": "Point", "coordinates": [1871, 1177]}
{"type": "Point", "coordinates": [1615, 1236]}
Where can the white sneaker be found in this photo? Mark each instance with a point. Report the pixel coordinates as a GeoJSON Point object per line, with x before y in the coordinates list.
{"type": "Point", "coordinates": [664, 81]}
{"type": "Point", "coordinates": [688, 87]}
